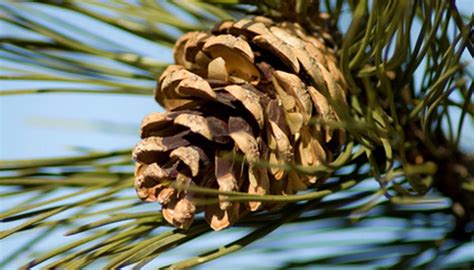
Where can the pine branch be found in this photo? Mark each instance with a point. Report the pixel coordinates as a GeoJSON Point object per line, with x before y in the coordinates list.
{"type": "Point", "coordinates": [394, 121]}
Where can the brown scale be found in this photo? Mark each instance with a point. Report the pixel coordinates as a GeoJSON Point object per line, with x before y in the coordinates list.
{"type": "Point", "coordinates": [244, 91]}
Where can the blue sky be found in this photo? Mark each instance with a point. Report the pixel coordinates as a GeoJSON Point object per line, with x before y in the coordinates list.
{"type": "Point", "coordinates": [49, 125]}
{"type": "Point", "coordinates": [52, 124]}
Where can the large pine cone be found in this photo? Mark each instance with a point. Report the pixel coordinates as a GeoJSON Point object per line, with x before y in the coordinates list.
{"type": "Point", "coordinates": [244, 92]}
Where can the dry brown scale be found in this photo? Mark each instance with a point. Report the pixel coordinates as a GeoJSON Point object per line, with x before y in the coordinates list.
{"type": "Point", "coordinates": [244, 91]}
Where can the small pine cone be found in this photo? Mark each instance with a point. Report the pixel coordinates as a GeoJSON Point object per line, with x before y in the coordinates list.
{"type": "Point", "coordinates": [247, 90]}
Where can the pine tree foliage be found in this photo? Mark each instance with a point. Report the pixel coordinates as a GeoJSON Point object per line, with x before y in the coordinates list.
{"type": "Point", "coordinates": [401, 166]}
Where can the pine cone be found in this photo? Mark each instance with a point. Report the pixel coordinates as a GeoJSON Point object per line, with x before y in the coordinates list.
{"type": "Point", "coordinates": [246, 90]}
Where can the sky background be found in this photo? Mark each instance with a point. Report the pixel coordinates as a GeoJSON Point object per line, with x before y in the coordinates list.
{"type": "Point", "coordinates": [51, 125]}
{"type": "Point", "coordinates": [47, 125]}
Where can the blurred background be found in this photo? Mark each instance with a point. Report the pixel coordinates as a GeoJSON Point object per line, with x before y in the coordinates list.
{"type": "Point", "coordinates": [63, 124]}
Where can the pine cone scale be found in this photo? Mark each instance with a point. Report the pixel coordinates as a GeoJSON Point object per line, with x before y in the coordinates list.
{"type": "Point", "coordinates": [242, 93]}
